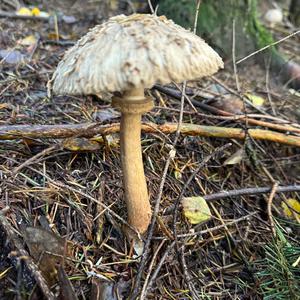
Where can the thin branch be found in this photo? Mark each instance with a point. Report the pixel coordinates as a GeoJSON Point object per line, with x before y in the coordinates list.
{"type": "Point", "coordinates": [269, 207]}
{"type": "Point", "coordinates": [242, 192]}
{"type": "Point", "coordinates": [268, 46]}
{"type": "Point", "coordinates": [171, 92]}
{"type": "Point", "coordinates": [251, 191]}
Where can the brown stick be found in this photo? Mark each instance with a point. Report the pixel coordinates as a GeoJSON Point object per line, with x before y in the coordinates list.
{"type": "Point", "coordinates": [11, 132]}
{"type": "Point", "coordinates": [177, 95]}
{"type": "Point", "coordinates": [242, 192]}
{"type": "Point", "coordinates": [251, 191]}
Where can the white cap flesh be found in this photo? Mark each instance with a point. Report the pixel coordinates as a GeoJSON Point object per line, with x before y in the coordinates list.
{"type": "Point", "coordinates": [129, 52]}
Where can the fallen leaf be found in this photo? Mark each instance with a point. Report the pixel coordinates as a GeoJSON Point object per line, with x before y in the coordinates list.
{"type": "Point", "coordinates": [177, 174]}
{"type": "Point", "coordinates": [111, 140]}
{"type": "Point", "coordinates": [291, 213]}
{"type": "Point", "coordinates": [53, 36]}
{"type": "Point", "coordinates": [114, 5]}
{"type": "Point", "coordinates": [80, 144]}
{"type": "Point", "coordinates": [196, 209]}
{"type": "Point", "coordinates": [12, 56]}
{"type": "Point", "coordinates": [24, 11]}
{"type": "Point", "coordinates": [229, 103]}
{"type": "Point", "coordinates": [28, 40]}
{"type": "Point", "coordinates": [47, 249]}
{"type": "Point", "coordinates": [235, 158]}
{"type": "Point", "coordinates": [256, 100]}
{"type": "Point", "coordinates": [35, 11]}
{"type": "Point", "coordinates": [69, 19]}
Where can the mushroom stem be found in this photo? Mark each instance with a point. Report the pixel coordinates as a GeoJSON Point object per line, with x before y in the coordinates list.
{"type": "Point", "coordinates": [132, 106]}
{"type": "Point", "coordinates": [136, 193]}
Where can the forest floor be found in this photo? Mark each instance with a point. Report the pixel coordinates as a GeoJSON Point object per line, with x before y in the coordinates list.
{"type": "Point", "coordinates": [52, 194]}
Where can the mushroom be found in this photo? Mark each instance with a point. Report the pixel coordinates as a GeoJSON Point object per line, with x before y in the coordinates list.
{"type": "Point", "coordinates": [125, 55]}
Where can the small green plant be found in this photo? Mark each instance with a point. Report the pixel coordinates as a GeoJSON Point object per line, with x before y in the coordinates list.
{"type": "Point", "coordinates": [278, 273]}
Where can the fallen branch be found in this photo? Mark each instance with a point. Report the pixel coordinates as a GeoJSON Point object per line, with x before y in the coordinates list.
{"type": "Point", "coordinates": [241, 118]}
{"type": "Point", "coordinates": [242, 192]}
{"type": "Point", "coordinates": [11, 132]}
{"type": "Point", "coordinates": [251, 191]}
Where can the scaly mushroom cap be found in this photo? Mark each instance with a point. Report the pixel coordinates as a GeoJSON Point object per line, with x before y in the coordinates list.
{"type": "Point", "coordinates": [134, 51]}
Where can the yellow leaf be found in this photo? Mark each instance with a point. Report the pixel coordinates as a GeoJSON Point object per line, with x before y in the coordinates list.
{"type": "Point", "coordinates": [294, 204]}
{"type": "Point", "coordinates": [177, 174]}
{"type": "Point", "coordinates": [53, 36]}
{"type": "Point", "coordinates": [28, 40]}
{"type": "Point", "coordinates": [24, 11]}
{"type": "Point", "coordinates": [80, 144]}
{"type": "Point", "coordinates": [35, 11]}
{"type": "Point", "coordinates": [195, 209]}
{"type": "Point", "coordinates": [256, 100]}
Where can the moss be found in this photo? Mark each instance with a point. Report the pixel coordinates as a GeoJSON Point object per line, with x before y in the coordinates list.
{"type": "Point", "coordinates": [262, 37]}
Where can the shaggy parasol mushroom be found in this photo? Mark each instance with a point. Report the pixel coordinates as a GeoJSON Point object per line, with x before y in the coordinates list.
{"type": "Point", "coordinates": [127, 54]}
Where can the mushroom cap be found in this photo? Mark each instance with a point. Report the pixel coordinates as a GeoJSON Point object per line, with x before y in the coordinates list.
{"type": "Point", "coordinates": [135, 51]}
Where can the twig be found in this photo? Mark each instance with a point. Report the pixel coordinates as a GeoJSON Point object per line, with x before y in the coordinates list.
{"type": "Point", "coordinates": [242, 192]}
{"type": "Point", "coordinates": [34, 158]}
{"type": "Point", "coordinates": [91, 129]}
{"type": "Point", "coordinates": [171, 92]}
{"type": "Point", "coordinates": [187, 277]}
{"type": "Point", "coordinates": [196, 16]}
{"type": "Point", "coordinates": [151, 6]}
{"type": "Point", "coordinates": [234, 57]}
{"type": "Point", "coordinates": [158, 267]}
{"type": "Point", "coordinates": [210, 230]}
{"type": "Point", "coordinates": [268, 46]}
{"type": "Point", "coordinates": [269, 207]}
{"type": "Point", "coordinates": [144, 289]}
{"type": "Point", "coordinates": [200, 166]}
{"type": "Point", "coordinates": [251, 191]}
{"type": "Point", "coordinates": [85, 195]}
{"type": "Point", "coordinates": [175, 213]}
